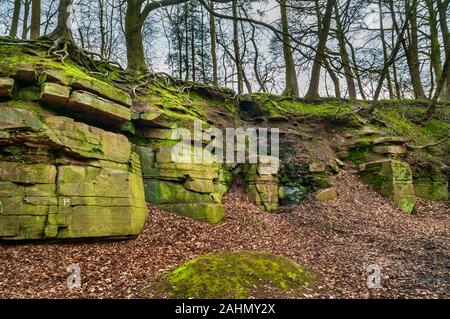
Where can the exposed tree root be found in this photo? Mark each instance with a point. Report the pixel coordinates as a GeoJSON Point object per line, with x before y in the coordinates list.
{"type": "Point", "coordinates": [65, 50]}
{"type": "Point", "coordinates": [412, 147]}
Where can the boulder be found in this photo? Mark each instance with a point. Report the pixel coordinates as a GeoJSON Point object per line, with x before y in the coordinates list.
{"type": "Point", "coordinates": [430, 184]}
{"type": "Point", "coordinates": [317, 168]}
{"type": "Point", "coordinates": [203, 186]}
{"type": "Point", "coordinates": [26, 73]}
{"type": "Point", "coordinates": [6, 87]}
{"type": "Point", "coordinates": [164, 192]}
{"type": "Point", "coordinates": [326, 194]}
{"type": "Point", "coordinates": [391, 178]}
{"type": "Point", "coordinates": [262, 184]}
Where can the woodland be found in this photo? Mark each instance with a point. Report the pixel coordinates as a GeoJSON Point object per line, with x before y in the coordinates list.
{"type": "Point", "coordinates": [93, 204]}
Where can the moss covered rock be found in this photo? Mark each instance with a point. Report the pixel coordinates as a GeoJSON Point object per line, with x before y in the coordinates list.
{"type": "Point", "coordinates": [234, 276]}
{"type": "Point", "coordinates": [63, 179]}
{"type": "Point", "coordinates": [393, 179]}
{"type": "Point", "coordinates": [430, 184]}
{"type": "Point", "coordinates": [6, 86]}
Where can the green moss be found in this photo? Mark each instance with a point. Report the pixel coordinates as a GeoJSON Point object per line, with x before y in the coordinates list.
{"type": "Point", "coordinates": [359, 154]}
{"type": "Point", "coordinates": [233, 275]}
{"type": "Point", "coordinates": [26, 105]}
{"type": "Point", "coordinates": [430, 184]}
{"type": "Point", "coordinates": [399, 125]}
{"type": "Point", "coordinates": [272, 105]}
{"type": "Point", "coordinates": [12, 56]}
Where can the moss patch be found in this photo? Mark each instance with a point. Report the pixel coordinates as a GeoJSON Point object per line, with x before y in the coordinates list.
{"type": "Point", "coordinates": [273, 105]}
{"type": "Point", "coordinates": [233, 275]}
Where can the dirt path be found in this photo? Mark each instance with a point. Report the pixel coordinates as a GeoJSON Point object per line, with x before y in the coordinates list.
{"type": "Point", "coordinates": [338, 240]}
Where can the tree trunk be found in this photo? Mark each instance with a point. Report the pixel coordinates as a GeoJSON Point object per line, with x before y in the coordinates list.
{"type": "Point", "coordinates": [412, 53]}
{"type": "Point", "coordinates": [324, 29]}
{"type": "Point", "coordinates": [25, 19]}
{"type": "Point", "coordinates": [291, 74]}
{"type": "Point", "coordinates": [394, 29]}
{"type": "Point", "coordinates": [35, 28]}
{"type": "Point", "coordinates": [334, 78]}
{"type": "Point", "coordinates": [443, 7]}
{"type": "Point", "coordinates": [393, 57]}
{"type": "Point", "coordinates": [193, 53]}
{"type": "Point", "coordinates": [212, 29]}
{"type": "Point", "coordinates": [237, 53]}
{"type": "Point", "coordinates": [385, 52]}
{"type": "Point", "coordinates": [262, 87]}
{"type": "Point", "coordinates": [440, 86]}
{"type": "Point", "coordinates": [202, 50]}
{"type": "Point", "coordinates": [434, 37]}
{"type": "Point", "coordinates": [15, 19]}
{"type": "Point", "coordinates": [349, 78]}
{"type": "Point", "coordinates": [133, 37]}
{"type": "Point", "coordinates": [358, 77]}
{"type": "Point", "coordinates": [101, 14]}
{"type": "Point", "coordinates": [186, 41]}
{"type": "Point", "coordinates": [63, 27]}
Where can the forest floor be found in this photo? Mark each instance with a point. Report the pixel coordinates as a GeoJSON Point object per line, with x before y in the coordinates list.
{"type": "Point", "coordinates": [337, 240]}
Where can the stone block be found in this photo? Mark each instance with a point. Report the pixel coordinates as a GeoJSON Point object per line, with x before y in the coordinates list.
{"type": "Point", "coordinates": [317, 168]}
{"type": "Point", "coordinates": [6, 87]}
{"type": "Point", "coordinates": [326, 194]}
{"type": "Point", "coordinates": [54, 94]}
{"type": "Point", "coordinates": [87, 102]}
{"type": "Point", "coordinates": [431, 184]}
{"type": "Point", "coordinates": [202, 186]}
{"type": "Point", "coordinates": [103, 89]}
{"type": "Point", "coordinates": [164, 192]}
{"type": "Point", "coordinates": [390, 149]}
{"type": "Point", "coordinates": [393, 179]}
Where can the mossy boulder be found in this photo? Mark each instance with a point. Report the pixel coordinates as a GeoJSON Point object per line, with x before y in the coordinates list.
{"type": "Point", "coordinates": [63, 179]}
{"type": "Point", "coordinates": [430, 184]}
{"type": "Point", "coordinates": [233, 276]}
{"type": "Point", "coordinates": [291, 195]}
{"type": "Point", "coordinates": [262, 185]}
{"type": "Point", "coordinates": [164, 192]}
{"type": "Point", "coordinates": [393, 179]}
{"type": "Point", "coordinates": [326, 194]}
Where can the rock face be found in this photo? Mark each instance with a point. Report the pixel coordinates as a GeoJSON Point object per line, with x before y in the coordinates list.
{"type": "Point", "coordinates": [79, 95]}
{"type": "Point", "coordinates": [190, 189]}
{"type": "Point", "coordinates": [393, 179]}
{"type": "Point", "coordinates": [63, 179]}
{"type": "Point", "coordinates": [262, 185]}
{"type": "Point", "coordinates": [430, 184]}
{"type": "Point", "coordinates": [79, 157]}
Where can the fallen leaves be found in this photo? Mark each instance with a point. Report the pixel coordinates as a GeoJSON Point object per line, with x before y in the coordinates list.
{"type": "Point", "coordinates": [338, 240]}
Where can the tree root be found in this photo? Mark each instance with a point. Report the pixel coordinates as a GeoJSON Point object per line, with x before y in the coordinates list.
{"type": "Point", "coordinates": [412, 147]}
